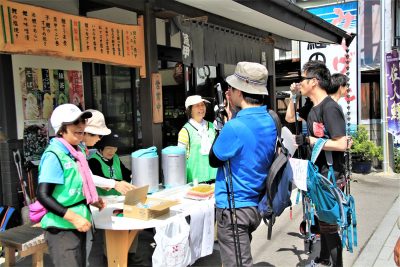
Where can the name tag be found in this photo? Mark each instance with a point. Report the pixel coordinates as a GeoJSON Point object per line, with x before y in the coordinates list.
{"type": "Point", "coordinates": [74, 192]}
{"type": "Point", "coordinates": [68, 165]}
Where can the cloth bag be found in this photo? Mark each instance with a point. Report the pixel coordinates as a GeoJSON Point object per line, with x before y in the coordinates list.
{"type": "Point", "coordinates": [36, 211]}
{"type": "Point", "coordinates": [172, 241]}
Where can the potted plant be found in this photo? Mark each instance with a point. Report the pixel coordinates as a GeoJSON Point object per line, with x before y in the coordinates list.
{"type": "Point", "coordinates": [363, 151]}
{"type": "Point", "coordinates": [396, 160]}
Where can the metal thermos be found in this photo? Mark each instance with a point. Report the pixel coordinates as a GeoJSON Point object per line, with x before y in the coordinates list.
{"type": "Point", "coordinates": [145, 168]}
{"type": "Point", "coordinates": [174, 166]}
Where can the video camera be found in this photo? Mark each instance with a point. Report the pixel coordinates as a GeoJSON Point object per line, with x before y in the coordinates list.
{"type": "Point", "coordinates": [219, 109]}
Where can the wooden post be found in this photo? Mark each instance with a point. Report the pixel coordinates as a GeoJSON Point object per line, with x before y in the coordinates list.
{"type": "Point", "coordinates": [118, 243]}
{"type": "Point", "coordinates": [9, 256]}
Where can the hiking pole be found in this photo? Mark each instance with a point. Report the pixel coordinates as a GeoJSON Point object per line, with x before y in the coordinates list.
{"type": "Point", "coordinates": [232, 213]}
{"type": "Point", "coordinates": [229, 184]}
{"type": "Point", "coordinates": [296, 117]}
{"type": "Point", "coordinates": [303, 225]}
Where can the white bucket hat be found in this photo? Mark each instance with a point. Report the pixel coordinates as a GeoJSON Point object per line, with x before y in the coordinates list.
{"type": "Point", "coordinates": [97, 124]}
{"type": "Point", "coordinates": [193, 100]}
{"type": "Point", "coordinates": [67, 114]}
{"type": "Point", "coordinates": [249, 77]}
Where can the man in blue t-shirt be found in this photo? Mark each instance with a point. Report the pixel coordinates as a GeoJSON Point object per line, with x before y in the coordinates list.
{"type": "Point", "coordinates": [247, 142]}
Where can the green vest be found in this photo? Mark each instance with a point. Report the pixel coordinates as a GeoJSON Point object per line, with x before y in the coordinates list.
{"type": "Point", "coordinates": [197, 165]}
{"type": "Point", "coordinates": [114, 172]}
{"type": "Point", "coordinates": [67, 194]}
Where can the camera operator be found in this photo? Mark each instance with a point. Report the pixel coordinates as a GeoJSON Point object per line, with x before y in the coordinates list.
{"type": "Point", "coordinates": [244, 149]}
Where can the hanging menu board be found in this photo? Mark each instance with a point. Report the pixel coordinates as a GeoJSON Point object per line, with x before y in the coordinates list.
{"type": "Point", "coordinates": [26, 29]}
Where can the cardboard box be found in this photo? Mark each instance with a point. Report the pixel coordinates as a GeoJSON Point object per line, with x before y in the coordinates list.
{"type": "Point", "coordinates": [137, 205]}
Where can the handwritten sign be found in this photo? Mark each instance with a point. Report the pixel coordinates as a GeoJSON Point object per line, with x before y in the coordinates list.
{"type": "Point", "coordinates": [156, 90]}
{"type": "Point", "coordinates": [26, 29]}
{"type": "Point", "coordinates": [299, 168]}
{"type": "Point", "coordinates": [288, 140]}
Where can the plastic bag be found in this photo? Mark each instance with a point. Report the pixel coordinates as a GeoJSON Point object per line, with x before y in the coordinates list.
{"type": "Point", "coordinates": [172, 241]}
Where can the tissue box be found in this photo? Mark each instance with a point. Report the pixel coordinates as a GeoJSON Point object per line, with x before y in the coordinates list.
{"type": "Point", "coordinates": [137, 205]}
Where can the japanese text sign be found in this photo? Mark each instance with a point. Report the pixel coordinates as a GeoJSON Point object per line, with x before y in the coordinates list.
{"type": "Point", "coordinates": [26, 29]}
{"type": "Point", "coordinates": [156, 90]}
{"type": "Point", "coordinates": [393, 92]}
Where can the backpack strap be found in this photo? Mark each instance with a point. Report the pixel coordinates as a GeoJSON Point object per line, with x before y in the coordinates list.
{"type": "Point", "coordinates": [349, 234]}
{"type": "Point", "coordinates": [278, 126]}
{"type": "Point", "coordinates": [319, 144]}
{"type": "Point", "coordinates": [277, 122]}
{"type": "Point", "coordinates": [329, 161]}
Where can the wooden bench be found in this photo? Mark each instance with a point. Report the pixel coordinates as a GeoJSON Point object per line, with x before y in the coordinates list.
{"type": "Point", "coordinates": [25, 239]}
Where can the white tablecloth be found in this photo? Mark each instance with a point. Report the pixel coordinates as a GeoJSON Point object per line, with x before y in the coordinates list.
{"type": "Point", "coordinates": [105, 220]}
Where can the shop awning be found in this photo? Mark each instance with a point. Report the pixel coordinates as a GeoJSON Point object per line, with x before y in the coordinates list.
{"type": "Point", "coordinates": [280, 17]}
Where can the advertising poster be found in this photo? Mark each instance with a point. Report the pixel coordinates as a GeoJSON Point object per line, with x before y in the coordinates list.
{"type": "Point", "coordinates": [35, 139]}
{"type": "Point", "coordinates": [393, 92]}
{"type": "Point", "coordinates": [42, 91]}
{"type": "Point", "coordinates": [75, 82]}
{"type": "Point", "coordinates": [343, 16]}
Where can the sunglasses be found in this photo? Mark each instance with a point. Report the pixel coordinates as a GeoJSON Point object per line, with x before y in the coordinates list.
{"type": "Point", "coordinates": [306, 78]}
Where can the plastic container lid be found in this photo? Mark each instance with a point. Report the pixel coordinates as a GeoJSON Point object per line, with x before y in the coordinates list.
{"type": "Point", "coordinates": [174, 150]}
{"type": "Point", "coordinates": [150, 152]}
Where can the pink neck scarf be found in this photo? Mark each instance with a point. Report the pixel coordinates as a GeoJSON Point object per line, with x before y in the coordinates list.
{"type": "Point", "coordinates": [89, 189]}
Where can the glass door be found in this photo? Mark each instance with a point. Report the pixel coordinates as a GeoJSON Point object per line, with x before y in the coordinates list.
{"type": "Point", "coordinates": [116, 96]}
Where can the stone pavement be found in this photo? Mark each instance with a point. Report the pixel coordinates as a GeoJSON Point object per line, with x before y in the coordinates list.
{"type": "Point", "coordinates": [378, 209]}
{"type": "Point", "coordinates": [379, 249]}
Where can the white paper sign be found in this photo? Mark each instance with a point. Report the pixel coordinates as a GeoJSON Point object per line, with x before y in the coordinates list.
{"type": "Point", "coordinates": [288, 140]}
{"type": "Point", "coordinates": [299, 167]}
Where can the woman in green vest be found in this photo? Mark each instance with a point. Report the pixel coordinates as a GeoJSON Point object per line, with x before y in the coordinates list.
{"type": "Point", "coordinates": [197, 136]}
{"type": "Point", "coordinates": [66, 188]}
{"type": "Point", "coordinates": [95, 129]}
{"type": "Point", "coordinates": [106, 163]}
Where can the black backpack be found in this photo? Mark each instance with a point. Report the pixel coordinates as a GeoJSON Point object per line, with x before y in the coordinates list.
{"type": "Point", "coordinates": [278, 186]}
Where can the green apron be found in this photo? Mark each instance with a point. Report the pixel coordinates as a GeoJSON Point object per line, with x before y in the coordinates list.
{"type": "Point", "coordinates": [67, 194]}
{"type": "Point", "coordinates": [197, 165]}
{"type": "Point", "coordinates": [114, 172]}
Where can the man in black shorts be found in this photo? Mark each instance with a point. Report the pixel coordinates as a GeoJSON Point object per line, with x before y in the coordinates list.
{"type": "Point", "coordinates": [325, 120]}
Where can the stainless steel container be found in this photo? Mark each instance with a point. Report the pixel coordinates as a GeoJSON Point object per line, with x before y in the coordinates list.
{"type": "Point", "coordinates": [145, 168]}
{"type": "Point", "coordinates": [174, 166]}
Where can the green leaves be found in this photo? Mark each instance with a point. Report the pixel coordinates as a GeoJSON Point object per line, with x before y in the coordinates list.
{"type": "Point", "coordinates": [396, 153]}
{"type": "Point", "coordinates": [363, 149]}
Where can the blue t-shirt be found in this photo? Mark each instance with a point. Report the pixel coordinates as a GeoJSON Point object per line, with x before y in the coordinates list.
{"type": "Point", "coordinates": [50, 167]}
{"type": "Point", "coordinates": [248, 142]}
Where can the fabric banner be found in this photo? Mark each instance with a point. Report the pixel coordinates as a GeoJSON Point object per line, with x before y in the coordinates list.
{"type": "Point", "coordinates": [393, 92]}
{"type": "Point", "coordinates": [343, 16]}
{"type": "Point", "coordinates": [26, 29]}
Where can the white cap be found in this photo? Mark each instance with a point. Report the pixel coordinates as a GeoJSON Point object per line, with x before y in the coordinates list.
{"type": "Point", "coordinates": [96, 124]}
{"type": "Point", "coordinates": [67, 114]}
{"type": "Point", "coordinates": [193, 100]}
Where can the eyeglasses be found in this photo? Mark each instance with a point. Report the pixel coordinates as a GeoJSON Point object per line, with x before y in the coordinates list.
{"type": "Point", "coordinates": [306, 78]}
